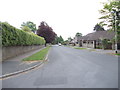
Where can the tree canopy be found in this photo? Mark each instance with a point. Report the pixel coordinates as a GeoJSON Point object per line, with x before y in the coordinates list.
{"type": "Point", "coordinates": [78, 34]}
{"type": "Point", "coordinates": [108, 17]}
{"type": "Point", "coordinates": [47, 32]}
{"type": "Point", "coordinates": [58, 40]}
{"type": "Point", "coordinates": [98, 27]}
{"type": "Point", "coordinates": [70, 39]}
{"type": "Point", "coordinates": [26, 29]}
{"type": "Point", "coordinates": [29, 24]}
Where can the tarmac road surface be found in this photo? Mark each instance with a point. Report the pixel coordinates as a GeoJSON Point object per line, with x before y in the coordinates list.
{"type": "Point", "coordinates": [70, 68]}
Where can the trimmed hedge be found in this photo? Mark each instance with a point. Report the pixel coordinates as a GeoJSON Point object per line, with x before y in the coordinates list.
{"type": "Point", "coordinates": [12, 36]}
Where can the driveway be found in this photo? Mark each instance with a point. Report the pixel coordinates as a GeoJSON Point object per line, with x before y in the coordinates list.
{"type": "Point", "coordinates": [70, 68]}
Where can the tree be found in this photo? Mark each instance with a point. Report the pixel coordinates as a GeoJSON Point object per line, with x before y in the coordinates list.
{"type": "Point", "coordinates": [66, 42]}
{"type": "Point", "coordinates": [98, 27]}
{"type": "Point", "coordinates": [26, 29]}
{"type": "Point", "coordinates": [31, 25]}
{"type": "Point", "coordinates": [78, 34]}
{"type": "Point", "coordinates": [107, 18]}
{"type": "Point", "coordinates": [70, 39]}
{"type": "Point", "coordinates": [47, 32]}
{"type": "Point", "coordinates": [58, 40]}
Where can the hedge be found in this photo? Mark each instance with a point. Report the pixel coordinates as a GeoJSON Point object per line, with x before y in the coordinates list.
{"type": "Point", "coordinates": [12, 36]}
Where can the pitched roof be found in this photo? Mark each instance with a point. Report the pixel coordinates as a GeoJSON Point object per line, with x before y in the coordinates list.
{"type": "Point", "coordinates": [99, 35]}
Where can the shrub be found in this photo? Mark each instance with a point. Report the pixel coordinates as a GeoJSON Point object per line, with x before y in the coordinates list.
{"type": "Point", "coordinates": [12, 36]}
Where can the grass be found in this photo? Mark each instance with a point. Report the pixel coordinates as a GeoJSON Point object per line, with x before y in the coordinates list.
{"type": "Point", "coordinates": [79, 48]}
{"type": "Point", "coordinates": [118, 54]}
{"type": "Point", "coordinates": [92, 50]}
{"type": "Point", "coordinates": [38, 56]}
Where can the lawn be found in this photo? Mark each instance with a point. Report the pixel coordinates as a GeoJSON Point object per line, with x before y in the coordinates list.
{"type": "Point", "coordinates": [38, 56]}
{"type": "Point", "coordinates": [79, 48]}
{"type": "Point", "coordinates": [118, 54]}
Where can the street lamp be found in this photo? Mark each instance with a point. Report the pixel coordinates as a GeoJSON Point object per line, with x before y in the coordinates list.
{"type": "Point", "coordinates": [116, 16]}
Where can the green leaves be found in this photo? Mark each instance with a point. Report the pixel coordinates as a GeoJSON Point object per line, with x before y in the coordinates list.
{"type": "Point", "coordinates": [78, 34]}
{"type": "Point", "coordinates": [15, 37]}
{"type": "Point", "coordinates": [107, 16]}
{"type": "Point", "coordinates": [30, 26]}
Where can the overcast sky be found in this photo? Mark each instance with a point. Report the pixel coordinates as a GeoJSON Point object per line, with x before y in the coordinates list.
{"type": "Point", "coordinates": [66, 17]}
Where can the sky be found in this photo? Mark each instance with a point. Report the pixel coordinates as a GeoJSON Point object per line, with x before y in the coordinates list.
{"type": "Point", "coordinates": [66, 17]}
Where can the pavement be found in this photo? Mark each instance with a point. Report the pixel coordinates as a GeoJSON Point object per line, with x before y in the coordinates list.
{"type": "Point", "coordinates": [70, 68]}
{"type": "Point", "coordinates": [15, 65]}
{"type": "Point", "coordinates": [100, 51]}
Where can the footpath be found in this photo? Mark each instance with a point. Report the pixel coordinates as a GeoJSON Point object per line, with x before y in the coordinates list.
{"type": "Point", "coordinates": [15, 65]}
{"type": "Point", "coordinates": [101, 51]}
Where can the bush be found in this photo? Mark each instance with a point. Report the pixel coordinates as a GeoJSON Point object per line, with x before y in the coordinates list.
{"type": "Point", "coordinates": [99, 47]}
{"type": "Point", "coordinates": [12, 36]}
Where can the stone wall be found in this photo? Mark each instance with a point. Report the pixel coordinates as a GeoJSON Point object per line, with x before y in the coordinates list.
{"type": "Point", "coordinates": [12, 51]}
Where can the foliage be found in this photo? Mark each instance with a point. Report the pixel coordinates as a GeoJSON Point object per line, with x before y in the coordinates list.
{"type": "Point", "coordinates": [12, 36]}
{"type": "Point", "coordinates": [26, 29]}
{"type": "Point", "coordinates": [65, 42]}
{"type": "Point", "coordinates": [105, 43]}
{"type": "Point", "coordinates": [98, 27]}
{"type": "Point", "coordinates": [99, 47]}
{"type": "Point", "coordinates": [78, 34]}
{"type": "Point", "coordinates": [58, 40]}
{"type": "Point", "coordinates": [109, 15]}
{"type": "Point", "coordinates": [29, 24]}
{"type": "Point", "coordinates": [70, 39]}
{"type": "Point", "coordinates": [61, 39]}
{"type": "Point", "coordinates": [106, 12]}
{"type": "Point", "coordinates": [117, 54]}
{"type": "Point", "coordinates": [38, 56]}
{"type": "Point", "coordinates": [46, 32]}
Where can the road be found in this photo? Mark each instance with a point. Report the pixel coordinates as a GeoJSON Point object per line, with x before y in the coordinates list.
{"type": "Point", "coordinates": [70, 68]}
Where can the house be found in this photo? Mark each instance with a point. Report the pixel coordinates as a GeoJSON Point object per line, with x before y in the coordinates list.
{"type": "Point", "coordinates": [75, 40]}
{"type": "Point", "coordinates": [94, 40]}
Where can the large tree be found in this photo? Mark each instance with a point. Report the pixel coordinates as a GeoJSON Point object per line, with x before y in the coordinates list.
{"type": "Point", "coordinates": [61, 39]}
{"type": "Point", "coordinates": [47, 32]}
{"type": "Point", "coordinates": [70, 39]}
{"type": "Point", "coordinates": [98, 27]}
{"type": "Point", "coordinates": [58, 39]}
{"type": "Point", "coordinates": [78, 34]}
{"type": "Point", "coordinates": [29, 24]}
{"type": "Point", "coordinates": [108, 17]}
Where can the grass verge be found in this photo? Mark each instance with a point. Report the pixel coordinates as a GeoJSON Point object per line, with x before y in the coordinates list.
{"type": "Point", "coordinates": [38, 56]}
{"type": "Point", "coordinates": [79, 48]}
{"type": "Point", "coordinates": [118, 54]}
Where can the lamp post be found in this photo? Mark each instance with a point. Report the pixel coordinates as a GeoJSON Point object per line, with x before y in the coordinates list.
{"type": "Point", "coordinates": [116, 16]}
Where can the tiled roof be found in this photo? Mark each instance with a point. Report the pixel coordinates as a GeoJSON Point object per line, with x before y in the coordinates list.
{"type": "Point", "coordinates": [98, 35]}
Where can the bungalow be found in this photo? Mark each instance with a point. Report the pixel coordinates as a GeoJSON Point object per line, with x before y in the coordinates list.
{"type": "Point", "coordinates": [94, 40]}
{"type": "Point", "coordinates": [75, 40]}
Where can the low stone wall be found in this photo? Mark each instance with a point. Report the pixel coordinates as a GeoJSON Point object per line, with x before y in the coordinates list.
{"type": "Point", "coordinates": [12, 51]}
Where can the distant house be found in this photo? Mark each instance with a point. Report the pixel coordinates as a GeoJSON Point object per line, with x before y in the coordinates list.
{"type": "Point", "coordinates": [75, 40]}
{"type": "Point", "coordinates": [94, 40]}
